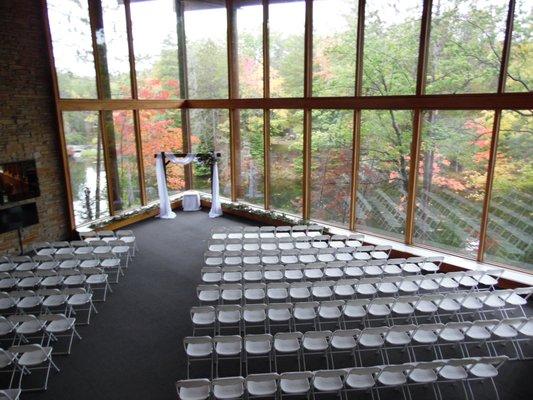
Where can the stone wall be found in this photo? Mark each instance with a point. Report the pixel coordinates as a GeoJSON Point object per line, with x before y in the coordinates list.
{"type": "Point", "coordinates": [28, 127]}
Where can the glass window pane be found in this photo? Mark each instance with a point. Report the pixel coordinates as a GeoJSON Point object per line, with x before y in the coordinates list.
{"type": "Point", "coordinates": [287, 30]}
{"type": "Point", "coordinates": [249, 29]}
{"type": "Point", "coordinates": [390, 57]}
{"type": "Point", "coordinates": [210, 132]}
{"type": "Point", "coordinates": [161, 131]}
{"type": "Point", "coordinates": [519, 71]}
{"type": "Point", "coordinates": [384, 171]}
{"type": "Point", "coordinates": [112, 41]}
{"type": "Point", "coordinates": [122, 155]}
{"type": "Point", "coordinates": [155, 41]}
{"type": "Point", "coordinates": [86, 165]}
{"type": "Point", "coordinates": [465, 46]}
{"type": "Point", "coordinates": [286, 160]}
{"type": "Point", "coordinates": [334, 41]}
{"type": "Point", "coordinates": [73, 50]}
{"type": "Point", "coordinates": [251, 153]}
{"type": "Point", "coordinates": [331, 165]}
{"type": "Point", "coordinates": [451, 179]}
{"type": "Point", "coordinates": [511, 210]}
{"type": "Point", "coordinates": [207, 54]}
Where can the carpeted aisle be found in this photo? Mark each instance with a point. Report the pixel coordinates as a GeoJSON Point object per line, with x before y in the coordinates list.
{"type": "Point", "coordinates": [132, 349]}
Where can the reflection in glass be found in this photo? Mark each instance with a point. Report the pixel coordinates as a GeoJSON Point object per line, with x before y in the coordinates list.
{"type": "Point", "coordinates": [286, 160]}
{"type": "Point", "coordinates": [72, 45]}
{"type": "Point", "coordinates": [390, 56]}
{"type": "Point", "coordinates": [465, 46]}
{"type": "Point", "coordinates": [122, 156]}
{"type": "Point", "coordinates": [383, 171]}
{"type": "Point", "coordinates": [210, 132]}
{"type": "Point", "coordinates": [331, 165]}
{"type": "Point", "coordinates": [287, 29]}
{"type": "Point", "coordinates": [510, 229]}
{"type": "Point", "coordinates": [451, 179]}
{"type": "Point", "coordinates": [251, 153]}
{"type": "Point", "coordinates": [334, 41]}
{"type": "Point", "coordinates": [519, 70]}
{"type": "Point", "coordinates": [161, 131]}
{"type": "Point", "coordinates": [207, 55]}
{"type": "Point", "coordinates": [156, 49]}
{"type": "Point", "coordinates": [249, 29]}
{"type": "Point", "coordinates": [86, 165]}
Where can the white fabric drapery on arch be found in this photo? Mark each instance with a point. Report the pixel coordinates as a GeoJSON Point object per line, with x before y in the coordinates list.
{"type": "Point", "coordinates": [165, 211]}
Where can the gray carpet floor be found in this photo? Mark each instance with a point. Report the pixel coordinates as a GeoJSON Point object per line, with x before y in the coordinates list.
{"type": "Point", "coordinates": [132, 349]}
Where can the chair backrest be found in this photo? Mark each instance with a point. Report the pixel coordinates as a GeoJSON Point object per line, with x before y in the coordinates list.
{"type": "Point", "coordinates": [270, 376]}
{"type": "Point", "coordinates": [227, 339]}
{"type": "Point", "coordinates": [307, 304]}
{"type": "Point", "coordinates": [329, 373]}
{"type": "Point", "coordinates": [346, 333]}
{"type": "Point", "coordinates": [293, 376]}
{"type": "Point", "coordinates": [288, 335]}
{"type": "Point", "coordinates": [363, 371]}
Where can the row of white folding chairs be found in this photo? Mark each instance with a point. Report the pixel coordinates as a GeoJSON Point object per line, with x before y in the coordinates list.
{"type": "Point", "coordinates": [341, 288]}
{"type": "Point", "coordinates": [68, 300]}
{"type": "Point", "coordinates": [344, 381]}
{"type": "Point", "coordinates": [126, 235]}
{"type": "Point", "coordinates": [24, 360]}
{"type": "Point", "coordinates": [306, 256]}
{"type": "Point", "coordinates": [90, 278]}
{"type": "Point", "coordinates": [45, 329]}
{"type": "Point", "coordinates": [45, 264]}
{"type": "Point", "coordinates": [286, 243]}
{"type": "Point", "coordinates": [250, 232]}
{"type": "Point", "coordinates": [354, 341]}
{"type": "Point", "coordinates": [79, 246]}
{"type": "Point", "coordinates": [328, 270]}
{"type": "Point", "coordinates": [341, 312]}
{"type": "Point", "coordinates": [64, 260]}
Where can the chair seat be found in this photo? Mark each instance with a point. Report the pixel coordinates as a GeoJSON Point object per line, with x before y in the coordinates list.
{"type": "Point", "coordinates": [313, 273]}
{"type": "Point", "coordinates": [294, 386]}
{"type": "Point", "coordinates": [483, 370]}
{"type": "Point", "coordinates": [411, 268]}
{"type": "Point", "coordinates": [327, 384]}
{"type": "Point", "coordinates": [194, 393]}
{"type": "Point", "coordinates": [30, 327]}
{"type": "Point", "coordinates": [379, 310]}
{"type": "Point", "coordinates": [398, 338]}
{"type": "Point", "coordinates": [286, 345]}
{"type": "Point", "coordinates": [79, 299]}
{"type": "Point", "coordinates": [315, 344]}
{"type": "Point", "coordinates": [354, 311]}
{"type": "Point", "coordinates": [477, 333]}
{"type": "Point", "coordinates": [254, 315]}
{"type": "Point", "coordinates": [229, 317]}
{"type": "Point", "coordinates": [402, 308]}
{"type": "Point", "coordinates": [273, 275]}
{"type": "Point", "coordinates": [289, 259]}
{"type": "Point", "coordinates": [30, 302]}
{"type": "Point", "coordinates": [61, 325]}
{"type": "Point", "coordinates": [252, 276]}
{"type": "Point", "coordinates": [371, 340]}
{"type": "Point", "coordinates": [343, 342]}
{"type": "Point", "coordinates": [329, 312]}
{"type": "Point", "coordinates": [505, 331]}
{"type": "Point", "coordinates": [299, 293]}
{"type": "Point", "coordinates": [333, 272]}
{"type": "Point", "coordinates": [450, 305]}
{"type": "Point", "coordinates": [279, 315]}
{"type": "Point", "coordinates": [96, 279]}
{"type": "Point", "coordinates": [452, 335]}
{"type": "Point", "coordinates": [356, 381]}
{"type": "Point", "coordinates": [322, 292]}
{"type": "Point", "coordinates": [55, 300]}
{"type": "Point", "coordinates": [253, 347]}
{"type": "Point", "coordinates": [232, 276]}
{"type": "Point", "coordinates": [277, 293]}
{"type": "Point", "coordinates": [211, 277]}
{"type": "Point", "coordinates": [366, 289]}
{"type": "Point", "coordinates": [228, 348]}
{"type": "Point", "coordinates": [353, 271]}
{"type": "Point", "coordinates": [426, 306]}
{"type": "Point", "coordinates": [254, 294]}
{"type": "Point", "coordinates": [224, 392]}
{"type": "Point", "coordinates": [209, 295]}
{"type": "Point", "coordinates": [379, 255]}
{"type": "Point", "coordinates": [304, 313]}
{"type": "Point", "coordinates": [344, 290]}
{"type": "Point", "coordinates": [423, 375]}
{"type": "Point", "coordinates": [392, 378]}
{"type": "Point", "coordinates": [231, 295]}
{"type": "Point", "coordinates": [261, 388]}
{"type": "Point", "coordinates": [294, 274]}
{"type": "Point", "coordinates": [425, 337]}
{"type": "Point", "coordinates": [36, 357]}
{"type": "Point", "coordinates": [408, 286]}
{"type": "Point", "coordinates": [392, 269]}
{"type": "Point", "coordinates": [453, 372]}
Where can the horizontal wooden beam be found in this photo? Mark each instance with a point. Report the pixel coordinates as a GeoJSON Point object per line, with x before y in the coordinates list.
{"type": "Point", "coordinates": [478, 101]}
{"type": "Point", "coordinates": [118, 104]}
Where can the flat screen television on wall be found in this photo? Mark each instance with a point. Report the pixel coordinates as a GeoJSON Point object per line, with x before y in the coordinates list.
{"type": "Point", "coordinates": [18, 181]}
{"type": "Point", "coordinates": [16, 217]}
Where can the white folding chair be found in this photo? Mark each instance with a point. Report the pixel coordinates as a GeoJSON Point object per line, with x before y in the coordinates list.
{"type": "Point", "coordinates": [329, 381]}
{"type": "Point", "coordinates": [228, 388]}
{"type": "Point", "coordinates": [262, 385]}
{"type": "Point", "coordinates": [254, 292]}
{"type": "Point", "coordinates": [285, 243]}
{"type": "Point", "coordinates": [193, 389]}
